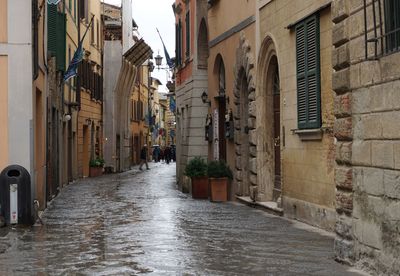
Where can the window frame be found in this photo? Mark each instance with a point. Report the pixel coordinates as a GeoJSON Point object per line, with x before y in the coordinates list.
{"type": "Point", "coordinates": [307, 123]}
{"type": "Point", "coordinates": [187, 35]}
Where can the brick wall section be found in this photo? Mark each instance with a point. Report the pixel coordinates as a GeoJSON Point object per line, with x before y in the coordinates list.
{"type": "Point", "coordinates": [343, 130]}
{"type": "Point", "coordinates": [367, 174]}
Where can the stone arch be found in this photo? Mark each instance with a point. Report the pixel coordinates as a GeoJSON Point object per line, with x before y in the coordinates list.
{"type": "Point", "coordinates": [219, 143]}
{"type": "Point", "coordinates": [245, 121]}
{"type": "Point", "coordinates": [268, 68]}
{"type": "Point", "coordinates": [202, 45]}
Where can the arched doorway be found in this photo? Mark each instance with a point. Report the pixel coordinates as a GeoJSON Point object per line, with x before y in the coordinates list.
{"type": "Point", "coordinates": [245, 126]}
{"type": "Point", "coordinates": [275, 83]}
{"type": "Point", "coordinates": [268, 92]}
{"type": "Point", "coordinates": [202, 46]}
{"type": "Point", "coordinates": [219, 140]}
{"type": "Point", "coordinates": [221, 111]}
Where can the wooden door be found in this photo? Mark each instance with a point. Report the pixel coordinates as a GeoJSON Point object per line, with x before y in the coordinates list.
{"type": "Point", "coordinates": [85, 152]}
{"type": "Point", "coordinates": [221, 130]}
{"type": "Point", "coordinates": [277, 138]}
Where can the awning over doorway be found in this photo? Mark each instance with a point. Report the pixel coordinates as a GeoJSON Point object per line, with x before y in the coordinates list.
{"type": "Point", "coordinates": [138, 53]}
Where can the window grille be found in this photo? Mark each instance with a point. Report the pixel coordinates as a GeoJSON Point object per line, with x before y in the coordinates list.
{"type": "Point", "coordinates": [383, 33]}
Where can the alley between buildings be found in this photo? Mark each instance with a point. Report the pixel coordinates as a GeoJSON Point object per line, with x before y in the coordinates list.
{"type": "Point", "coordinates": [138, 222]}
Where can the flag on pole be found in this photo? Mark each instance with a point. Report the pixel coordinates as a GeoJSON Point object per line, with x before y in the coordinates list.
{"type": "Point", "coordinates": [172, 104]}
{"type": "Point", "coordinates": [170, 62]}
{"type": "Point", "coordinates": [72, 70]}
{"type": "Point", "coordinates": [53, 2]}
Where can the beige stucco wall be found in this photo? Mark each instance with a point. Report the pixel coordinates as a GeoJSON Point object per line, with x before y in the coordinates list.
{"type": "Point", "coordinates": [4, 111]}
{"type": "Point", "coordinates": [3, 20]}
{"type": "Point", "coordinates": [228, 13]}
{"type": "Point", "coordinates": [307, 166]}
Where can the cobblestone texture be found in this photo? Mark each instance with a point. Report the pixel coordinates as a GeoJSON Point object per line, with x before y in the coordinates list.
{"type": "Point", "coordinates": [137, 222]}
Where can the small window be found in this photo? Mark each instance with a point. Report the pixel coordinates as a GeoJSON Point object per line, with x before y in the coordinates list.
{"type": "Point", "coordinates": [187, 34]}
{"type": "Point", "coordinates": [92, 41]}
{"type": "Point", "coordinates": [308, 73]}
{"type": "Point", "coordinates": [221, 78]}
{"type": "Point", "coordinates": [392, 25]}
{"type": "Point", "coordinates": [98, 33]}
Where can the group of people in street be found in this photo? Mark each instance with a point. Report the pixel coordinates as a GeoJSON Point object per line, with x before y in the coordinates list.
{"type": "Point", "coordinates": [165, 154]}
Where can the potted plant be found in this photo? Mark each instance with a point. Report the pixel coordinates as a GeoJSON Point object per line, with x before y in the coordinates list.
{"type": "Point", "coordinates": [96, 167]}
{"type": "Point", "coordinates": [196, 169]}
{"type": "Point", "coordinates": [219, 175]}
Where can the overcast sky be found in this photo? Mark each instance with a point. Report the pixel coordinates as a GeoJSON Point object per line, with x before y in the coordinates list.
{"type": "Point", "coordinates": [149, 15]}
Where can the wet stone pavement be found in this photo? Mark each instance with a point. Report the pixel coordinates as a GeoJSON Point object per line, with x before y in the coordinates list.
{"type": "Point", "coordinates": [138, 223]}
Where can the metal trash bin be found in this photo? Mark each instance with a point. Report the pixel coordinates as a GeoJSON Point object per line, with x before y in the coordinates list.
{"type": "Point", "coordinates": [15, 195]}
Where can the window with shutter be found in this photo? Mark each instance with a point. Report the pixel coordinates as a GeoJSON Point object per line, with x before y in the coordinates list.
{"type": "Point", "coordinates": [308, 73]}
{"type": "Point", "coordinates": [392, 25]}
{"type": "Point", "coordinates": [52, 29]}
{"type": "Point", "coordinates": [61, 40]}
{"type": "Point", "coordinates": [188, 34]}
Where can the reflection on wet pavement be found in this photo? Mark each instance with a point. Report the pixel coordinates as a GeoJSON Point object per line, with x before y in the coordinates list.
{"type": "Point", "coordinates": [137, 222]}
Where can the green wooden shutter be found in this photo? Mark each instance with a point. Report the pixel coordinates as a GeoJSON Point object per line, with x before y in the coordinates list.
{"type": "Point", "coordinates": [61, 41]}
{"type": "Point", "coordinates": [176, 44]}
{"type": "Point", "coordinates": [52, 29]}
{"type": "Point", "coordinates": [308, 73]}
{"type": "Point", "coordinates": [180, 42]}
{"type": "Point", "coordinates": [188, 34]}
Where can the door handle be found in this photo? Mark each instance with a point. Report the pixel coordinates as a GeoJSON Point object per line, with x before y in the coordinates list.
{"type": "Point", "coordinates": [277, 141]}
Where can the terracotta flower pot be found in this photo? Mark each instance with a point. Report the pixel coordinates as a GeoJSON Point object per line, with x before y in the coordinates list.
{"type": "Point", "coordinates": [219, 189]}
{"type": "Point", "coordinates": [95, 171]}
{"type": "Point", "coordinates": [200, 187]}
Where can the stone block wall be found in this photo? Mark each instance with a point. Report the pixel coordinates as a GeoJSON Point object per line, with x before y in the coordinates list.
{"type": "Point", "coordinates": [367, 173]}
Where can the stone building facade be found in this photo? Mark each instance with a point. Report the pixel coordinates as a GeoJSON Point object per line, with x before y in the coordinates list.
{"type": "Point", "coordinates": [190, 82]}
{"type": "Point", "coordinates": [366, 71]}
{"type": "Point", "coordinates": [294, 110]}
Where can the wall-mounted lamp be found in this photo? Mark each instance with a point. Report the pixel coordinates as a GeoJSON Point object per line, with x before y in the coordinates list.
{"type": "Point", "coordinates": [204, 98]}
{"type": "Point", "coordinates": [67, 117]}
{"type": "Point", "coordinates": [88, 121]}
{"type": "Point", "coordinates": [158, 59]}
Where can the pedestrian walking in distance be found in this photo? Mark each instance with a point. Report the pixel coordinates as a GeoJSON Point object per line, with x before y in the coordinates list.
{"type": "Point", "coordinates": [143, 157]}
{"type": "Point", "coordinates": [167, 154]}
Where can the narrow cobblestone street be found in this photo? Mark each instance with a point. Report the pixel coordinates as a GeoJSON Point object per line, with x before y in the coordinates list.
{"type": "Point", "coordinates": [137, 222]}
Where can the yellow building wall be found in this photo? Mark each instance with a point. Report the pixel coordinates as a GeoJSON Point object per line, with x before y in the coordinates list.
{"type": "Point", "coordinates": [222, 17]}
{"type": "Point", "coordinates": [307, 166]}
{"type": "Point", "coordinates": [39, 98]}
{"type": "Point", "coordinates": [90, 109]}
{"type": "Point", "coordinates": [3, 21]}
{"type": "Point", "coordinates": [139, 128]}
{"type": "Point", "coordinates": [3, 111]}
{"type": "Point", "coordinates": [227, 13]}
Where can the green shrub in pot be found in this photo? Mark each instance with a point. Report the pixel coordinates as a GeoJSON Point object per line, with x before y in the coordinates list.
{"type": "Point", "coordinates": [196, 167]}
{"type": "Point", "coordinates": [219, 169]}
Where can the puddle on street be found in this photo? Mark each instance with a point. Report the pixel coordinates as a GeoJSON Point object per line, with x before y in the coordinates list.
{"type": "Point", "coordinates": [137, 222]}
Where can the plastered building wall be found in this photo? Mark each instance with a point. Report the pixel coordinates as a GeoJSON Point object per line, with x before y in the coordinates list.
{"type": "Point", "coordinates": [307, 162]}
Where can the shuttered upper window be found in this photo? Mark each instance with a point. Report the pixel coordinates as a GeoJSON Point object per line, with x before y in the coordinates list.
{"type": "Point", "coordinates": [187, 34]}
{"type": "Point", "coordinates": [308, 73]}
